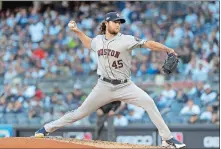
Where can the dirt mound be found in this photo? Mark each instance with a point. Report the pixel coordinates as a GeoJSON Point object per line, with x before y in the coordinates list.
{"type": "Point", "coordinates": [38, 143]}
{"type": "Point", "coordinates": [52, 142]}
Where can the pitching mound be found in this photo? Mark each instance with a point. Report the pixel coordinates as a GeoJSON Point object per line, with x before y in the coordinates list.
{"type": "Point", "coordinates": [32, 142]}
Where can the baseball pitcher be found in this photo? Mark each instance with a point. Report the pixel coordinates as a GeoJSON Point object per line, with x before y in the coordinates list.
{"type": "Point", "coordinates": [114, 62]}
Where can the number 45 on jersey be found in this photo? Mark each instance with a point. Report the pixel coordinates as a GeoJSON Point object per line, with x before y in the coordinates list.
{"type": "Point", "coordinates": [117, 64]}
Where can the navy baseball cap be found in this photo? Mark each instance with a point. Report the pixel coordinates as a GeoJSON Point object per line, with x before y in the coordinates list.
{"type": "Point", "coordinates": [114, 16]}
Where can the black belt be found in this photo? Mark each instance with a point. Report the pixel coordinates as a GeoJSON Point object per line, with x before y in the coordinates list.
{"type": "Point", "coordinates": [114, 82]}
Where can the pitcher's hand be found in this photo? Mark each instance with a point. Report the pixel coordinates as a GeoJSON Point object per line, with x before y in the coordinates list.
{"type": "Point", "coordinates": [111, 113]}
{"type": "Point", "coordinates": [73, 26]}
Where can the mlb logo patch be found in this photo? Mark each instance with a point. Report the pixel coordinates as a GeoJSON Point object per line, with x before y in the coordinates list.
{"type": "Point", "coordinates": [178, 136]}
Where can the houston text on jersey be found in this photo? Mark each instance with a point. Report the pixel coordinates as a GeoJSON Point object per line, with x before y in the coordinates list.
{"type": "Point", "coordinates": [108, 52]}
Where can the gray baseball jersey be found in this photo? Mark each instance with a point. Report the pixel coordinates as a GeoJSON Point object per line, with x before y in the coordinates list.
{"type": "Point", "coordinates": [114, 55]}
{"type": "Point", "coordinates": [114, 62]}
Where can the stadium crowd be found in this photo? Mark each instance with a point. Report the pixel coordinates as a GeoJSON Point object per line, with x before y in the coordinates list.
{"type": "Point", "coordinates": [36, 43]}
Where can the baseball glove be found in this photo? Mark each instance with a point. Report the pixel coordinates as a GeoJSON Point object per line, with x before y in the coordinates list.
{"type": "Point", "coordinates": [170, 64]}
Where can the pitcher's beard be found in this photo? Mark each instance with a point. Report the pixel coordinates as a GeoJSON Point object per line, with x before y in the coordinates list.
{"type": "Point", "coordinates": [112, 32]}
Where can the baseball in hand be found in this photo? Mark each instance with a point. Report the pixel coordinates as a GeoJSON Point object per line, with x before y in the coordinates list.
{"type": "Point", "coordinates": [72, 25]}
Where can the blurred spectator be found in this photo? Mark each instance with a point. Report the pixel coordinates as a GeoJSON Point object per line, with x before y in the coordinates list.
{"type": "Point", "coordinates": [36, 31]}
{"type": "Point", "coordinates": [57, 90]}
{"type": "Point", "coordinates": [9, 107]}
{"type": "Point", "coordinates": [54, 28]}
{"type": "Point", "coordinates": [191, 18]}
{"type": "Point", "coordinates": [169, 93]}
{"type": "Point", "coordinates": [29, 91]}
{"type": "Point", "coordinates": [172, 41]}
{"type": "Point", "coordinates": [18, 108]}
{"type": "Point", "coordinates": [2, 103]}
{"type": "Point", "coordinates": [216, 118]}
{"type": "Point", "coordinates": [20, 97]}
{"type": "Point", "coordinates": [10, 74]}
{"type": "Point", "coordinates": [181, 96]}
{"type": "Point", "coordinates": [58, 106]}
{"type": "Point", "coordinates": [153, 69]}
{"type": "Point", "coordinates": [36, 110]}
{"type": "Point", "coordinates": [190, 108]}
{"type": "Point", "coordinates": [88, 65]}
{"type": "Point", "coordinates": [39, 53]}
{"type": "Point", "coordinates": [208, 96]}
{"type": "Point", "coordinates": [161, 101]}
{"type": "Point", "coordinates": [216, 103]}
{"type": "Point", "coordinates": [191, 111]}
{"type": "Point", "coordinates": [39, 94]}
{"type": "Point", "coordinates": [191, 65]}
{"type": "Point", "coordinates": [202, 71]}
{"type": "Point", "coordinates": [71, 102]}
{"type": "Point", "coordinates": [207, 115]}
{"type": "Point", "coordinates": [78, 94]}
{"type": "Point", "coordinates": [142, 70]}
{"type": "Point", "coordinates": [120, 120]}
{"type": "Point", "coordinates": [126, 12]}
{"type": "Point", "coordinates": [135, 113]}
{"type": "Point", "coordinates": [214, 64]}
{"type": "Point", "coordinates": [197, 90]}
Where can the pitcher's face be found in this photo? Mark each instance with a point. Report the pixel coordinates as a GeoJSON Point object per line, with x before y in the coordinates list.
{"type": "Point", "coordinates": [113, 27]}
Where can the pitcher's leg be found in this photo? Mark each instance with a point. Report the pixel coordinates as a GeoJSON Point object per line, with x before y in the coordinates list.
{"type": "Point", "coordinates": [134, 95]}
{"type": "Point", "coordinates": [147, 103]}
{"type": "Point", "coordinates": [96, 99]}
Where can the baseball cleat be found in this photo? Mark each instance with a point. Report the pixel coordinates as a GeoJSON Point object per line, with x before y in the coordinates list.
{"type": "Point", "coordinates": [41, 133]}
{"type": "Point", "coordinates": [173, 143]}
